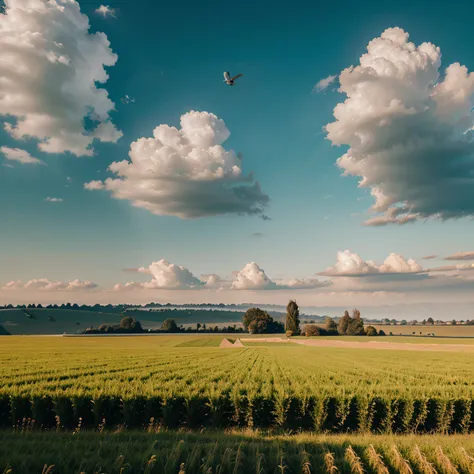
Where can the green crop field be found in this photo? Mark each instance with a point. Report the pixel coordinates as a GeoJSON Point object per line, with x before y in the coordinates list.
{"type": "Point", "coordinates": [187, 381]}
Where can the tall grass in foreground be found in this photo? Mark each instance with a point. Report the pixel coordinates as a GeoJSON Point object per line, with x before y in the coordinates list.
{"type": "Point", "coordinates": [231, 453]}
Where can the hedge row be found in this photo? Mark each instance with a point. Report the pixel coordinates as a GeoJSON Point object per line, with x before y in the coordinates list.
{"type": "Point", "coordinates": [328, 414]}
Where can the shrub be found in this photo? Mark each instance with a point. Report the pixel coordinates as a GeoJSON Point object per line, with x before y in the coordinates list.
{"type": "Point", "coordinates": [169, 325]}
{"type": "Point", "coordinates": [312, 330]}
{"type": "Point", "coordinates": [126, 322]}
{"type": "Point", "coordinates": [289, 333]}
{"type": "Point", "coordinates": [371, 331]}
{"type": "Point", "coordinates": [382, 333]}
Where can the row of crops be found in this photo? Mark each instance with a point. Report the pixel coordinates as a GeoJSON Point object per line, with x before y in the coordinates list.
{"type": "Point", "coordinates": [94, 383]}
{"type": "Point", "coordinates": [171, 453]}
{"type": "Point", "coordinates": [325, 414]}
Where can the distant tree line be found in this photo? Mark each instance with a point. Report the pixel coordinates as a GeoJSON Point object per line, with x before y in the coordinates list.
{"type": "Point", "coordinates": [130, 325]}
{"type": "Point", "coordinates": [127, 326]}
{"type": "Point", "coordinates": [257, 321]}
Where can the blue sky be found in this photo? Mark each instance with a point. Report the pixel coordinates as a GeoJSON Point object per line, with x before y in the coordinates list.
{"type": "Point", "coordinates": [170, 61]}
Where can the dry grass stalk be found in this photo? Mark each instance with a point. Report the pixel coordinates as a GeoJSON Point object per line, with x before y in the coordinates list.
{"type": "Point", "coordinates": [354, 461]}
{"type": "Point", "coordinates": [466, 457]}
{"type": "Point", "coordinates": [445, 462]}
{"type": "Point", "coordinates": [401, 464]}
{"type": "Point", "coordinates": [376, 461]}
{"type": "Point", "coordinates": [425, 466]}
{"type": "Point", "coordinates": [330, 464]}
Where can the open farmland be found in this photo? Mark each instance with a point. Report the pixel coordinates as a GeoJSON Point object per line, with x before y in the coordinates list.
{"type": "Point", "coordinates": [458, 330]}
{"type": "Point", "coordinates": [188, 381]}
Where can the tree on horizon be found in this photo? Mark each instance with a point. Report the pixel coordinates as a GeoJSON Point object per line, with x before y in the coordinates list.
{"type": "Point", "coordinates": [292, 317]}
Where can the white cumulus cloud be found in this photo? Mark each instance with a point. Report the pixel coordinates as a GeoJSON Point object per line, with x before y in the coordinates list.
{"type": "Point", "coordinates": [212, 281]}
{"type": "Point", "coordinates": [252, 277]}
{"type": "Point", "coordinates": [169, 276]}
{"type": "Point", "coordinates": [94, 185]}
{"type": "Point", "coordinates": [409, 128]}
{"type": "Point", "coordinates": [19, 155]}
{"type": "Point", "coordinates": [52, 199]}
{"type": "Point", "coordinates": [351, 264]}
{"type": "Point", "coordinates": [105, 10]}
{"type": "Point", "coordinates": [185, 172]}
{"type": "Point", "coordinates": [50, 66]}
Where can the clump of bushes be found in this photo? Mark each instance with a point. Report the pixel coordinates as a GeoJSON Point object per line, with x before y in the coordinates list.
{"type": "Point", "coordinates": [127, 325]}
{"type": "Point", "coordinates": [257, 321]}
{"type": "Point", "coordinates": [371, 331]}
{"type": "Point", "coordinates": [348, 326]}
{"type": "Point", "coordinates": [313, 330]}
{"type": "Point", "coordinates": [351, 326]}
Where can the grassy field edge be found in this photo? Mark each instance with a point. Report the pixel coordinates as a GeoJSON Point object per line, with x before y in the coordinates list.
{"type": "Point", "coordinates": [236, 452]}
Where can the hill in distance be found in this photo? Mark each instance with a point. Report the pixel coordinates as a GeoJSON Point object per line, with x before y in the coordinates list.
{"type": "Point", "coordinates": [4, 332]}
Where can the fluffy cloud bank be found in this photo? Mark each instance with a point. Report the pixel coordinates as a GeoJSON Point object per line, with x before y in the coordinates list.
{"type": "Point", "coordinates": [409, 131]}
{"type": "Point", "coordinates": [166, 276]}
{"type": "Point", "coordinates": [19, 155]}
{"type": "Point", "coordinates": [50, 66]}
{"type": "Point", "coordinates": [252, 277]}
{"type": "Point", "coordinates": [185, 172]}
{"type": "Point", "coordinates": [170, 276]}
{"type": "Point", "coordinates": [44, 284]}
{"type": "Point", "coordinates": [351, 264]}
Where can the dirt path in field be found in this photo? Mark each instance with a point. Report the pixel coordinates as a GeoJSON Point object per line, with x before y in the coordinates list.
{"type": "Point", "coordinates": [405, 346]}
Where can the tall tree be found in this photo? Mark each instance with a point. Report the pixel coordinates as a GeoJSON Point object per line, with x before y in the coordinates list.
{"type": "Point", "coordinates": [292, 317]}
{"type": "Point", "coordinates": [344, 323]}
